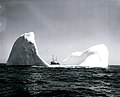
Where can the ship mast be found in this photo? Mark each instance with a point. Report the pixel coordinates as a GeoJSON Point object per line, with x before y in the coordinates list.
{"type": "Point", "coordinates": [56, 59]}
{"type": "Point", "coordinates": [53, 58]}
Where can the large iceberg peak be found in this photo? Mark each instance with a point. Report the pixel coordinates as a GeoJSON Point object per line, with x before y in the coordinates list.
{"type": "Point", "coordinates": [24, 52]}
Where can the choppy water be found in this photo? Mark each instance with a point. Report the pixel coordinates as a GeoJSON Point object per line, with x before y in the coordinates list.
{"type": "Point", "coordinates": [60, 82]}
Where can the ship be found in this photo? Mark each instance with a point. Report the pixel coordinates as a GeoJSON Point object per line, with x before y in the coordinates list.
{"type": "Point", "coordinates": [54, 61]}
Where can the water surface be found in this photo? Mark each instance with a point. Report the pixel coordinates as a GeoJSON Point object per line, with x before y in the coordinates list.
{"type": "Point", "coordinates": [59, 82]}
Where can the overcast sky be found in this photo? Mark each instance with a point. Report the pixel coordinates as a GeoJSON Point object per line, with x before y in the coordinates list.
{"type": "Point", "coordinates": [61, 26]}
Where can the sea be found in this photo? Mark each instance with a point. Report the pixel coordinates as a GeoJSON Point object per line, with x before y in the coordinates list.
{"type": "Point", "coordinates": [27, 81]}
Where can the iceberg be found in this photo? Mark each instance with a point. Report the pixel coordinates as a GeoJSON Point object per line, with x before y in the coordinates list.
{"type": "Point", "coordinates": [95, 56]}
{"type": "Point", "coordinates": [24, 52]}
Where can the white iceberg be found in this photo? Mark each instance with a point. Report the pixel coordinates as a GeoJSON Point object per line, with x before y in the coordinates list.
{"type": "Point", "coordinates": [95, 56]}
{"type": "Point", "coordinates": [24, 52]}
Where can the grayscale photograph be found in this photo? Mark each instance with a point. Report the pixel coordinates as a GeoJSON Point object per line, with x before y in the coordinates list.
{"type": "Point", "coordinates": [59, 48]}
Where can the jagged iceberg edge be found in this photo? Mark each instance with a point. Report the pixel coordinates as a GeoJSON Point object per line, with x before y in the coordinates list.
{"type": "Point", "coordinates": [31, 38]}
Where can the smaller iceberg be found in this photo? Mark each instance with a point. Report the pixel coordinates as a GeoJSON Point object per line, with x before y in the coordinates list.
{"type": "Point", "coordinates": [24, 52]}
{"type": "Point", "coordinates": [95, 56]}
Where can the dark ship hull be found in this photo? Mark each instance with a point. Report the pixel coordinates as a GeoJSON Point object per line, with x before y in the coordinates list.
{"type": "Point", "coordinates": [54, 63]}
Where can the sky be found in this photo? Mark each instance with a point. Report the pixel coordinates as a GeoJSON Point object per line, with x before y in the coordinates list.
{"type": "Point", "coordinates": [61, 26]}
